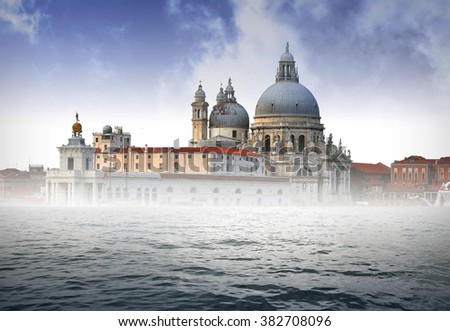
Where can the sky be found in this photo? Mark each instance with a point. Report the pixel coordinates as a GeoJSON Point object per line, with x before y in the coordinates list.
{"type": "Point", "coordinates": [379, 69]}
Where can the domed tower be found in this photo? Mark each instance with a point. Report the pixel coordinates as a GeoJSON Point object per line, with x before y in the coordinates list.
{"type": "Point", "coordinates": [199, 117]}
{"type": "Point", "coordinates": [287, 114]}
{"type": "Point", "coordinates": [229, 121]}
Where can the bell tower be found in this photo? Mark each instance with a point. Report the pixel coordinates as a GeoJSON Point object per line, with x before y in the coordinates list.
{"type": "Point", "coordinates": [199, 117]}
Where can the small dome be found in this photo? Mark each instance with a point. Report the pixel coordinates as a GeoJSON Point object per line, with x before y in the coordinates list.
{"type": "Point", "coordinates": [231, 115]}
{"type": "Point", "coordinates": [107, 129]}
{"type": "Point", "coordinates": [229, 87]}
{"type": "Point", "coordinates": [220, 95]}
{"type": "Point", "coordinates": [287, 98]}
{"type": "Point", "coordinates": [287, 57]}
{"type": "Point", "coordinates": [200, 92]}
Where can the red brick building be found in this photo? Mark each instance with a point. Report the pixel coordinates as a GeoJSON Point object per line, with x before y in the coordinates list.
{"type": "Point", "coordinates": [416, 178]}
{"type": "Point", "coordinates": [369, 181]}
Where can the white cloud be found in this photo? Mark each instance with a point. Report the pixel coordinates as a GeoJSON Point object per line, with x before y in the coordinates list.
{"type": "Point", "coordinates": [377, 94]}
{"type": "Point", "coordinates": [13, 12]}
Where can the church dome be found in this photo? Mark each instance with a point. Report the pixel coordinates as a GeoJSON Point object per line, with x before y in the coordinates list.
{"type": "Point", "coordinates": [287, 98]}
{"type": "Point", "coordinates": [107, 129]}
{"type": "Point", "coordinates": [286, 57]}
{"type": "Point", "coordinates": [200, 92]}
{"type": "Point", "coordinates": [227, 113]}
{"type": "Point", "coordinates": [230, 115]}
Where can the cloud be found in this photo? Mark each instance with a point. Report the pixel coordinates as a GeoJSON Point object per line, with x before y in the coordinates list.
{"type": "Point", "coordinates": [365, 61]}
{"type": "Point", "coordinates": [14, 13]}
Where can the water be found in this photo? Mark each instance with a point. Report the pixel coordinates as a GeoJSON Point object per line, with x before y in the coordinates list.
{"type": "Point", "coordinates": [224, 259]}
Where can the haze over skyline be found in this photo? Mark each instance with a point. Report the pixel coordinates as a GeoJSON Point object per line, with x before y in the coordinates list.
{"type": "Point", "coordinates": [380, 70]}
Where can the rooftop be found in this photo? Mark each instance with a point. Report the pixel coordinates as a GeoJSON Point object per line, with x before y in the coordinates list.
{"type": "Point", "coordinates": [370, 168]}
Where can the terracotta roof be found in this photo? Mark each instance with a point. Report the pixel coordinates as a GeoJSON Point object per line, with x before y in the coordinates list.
{"type": "Point", "coordinates": [203, 150]}
{"type": "Point", "coordinates": [142, 150]}
{"type": "Point", "coordinates": [215, 149]}
{"type": "Point", "coordinates": [444, 160]}
{"type": "Point", "coordinates": [415, 159]}
{"type": "Point", "coordinates": [371, 168]}
{"type": "Point", "coordinates": [14, 173]}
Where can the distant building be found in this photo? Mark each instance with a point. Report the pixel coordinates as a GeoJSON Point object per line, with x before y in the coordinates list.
{"type": "Point", "coordinates": [369, 181]}
{"type": "Point", "coordinates": [22, 185]}
{"type": "Point", "coordinates": [283, 158]}
{"type": "Point", "coordinates": [415, 179]}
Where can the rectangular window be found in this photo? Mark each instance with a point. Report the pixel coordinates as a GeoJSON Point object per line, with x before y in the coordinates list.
{"type": "Point", "coordinates": [86, 164]}
{"type": "Point", "coordinates": [98, 156]}
{"type": "Point", "coordinates": [160, 166]}
{"type": "Point", "coordinates": [136, 166]}
{"type": "Point", "coordinates": [176, 156]}
{"type": "Point", "coordinates": [137, 156]}
{"type": "Point", "coordinates": [96, 140]}
{"type": "Point", "coordinates": [149, 156]}
{"type": "Point", "coordinates": [149, 166]}
{"type": "Point", "coordinates": [104, 160]}
{"type": "Point", "coordinates": [204, 156]}
{"type": "Point", "coordinates": [234, 133]}
{"type": "Point", "coordinates": [106, 146]}
{"type": "Point", "coordinates": [70, 164]}
{"type": "Point", "coordinates": [126, 156]}
{"type": "Point", "coordinates": [98, 166]}
{"type": "Point", "coordinates": [189, 156]}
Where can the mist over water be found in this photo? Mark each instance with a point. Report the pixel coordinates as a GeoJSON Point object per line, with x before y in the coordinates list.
{"type": "Point", "coordinates": [204, 258]}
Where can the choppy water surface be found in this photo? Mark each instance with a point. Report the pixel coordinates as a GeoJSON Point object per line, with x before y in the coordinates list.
{"type": "Point", "coordinates": [224, 259]}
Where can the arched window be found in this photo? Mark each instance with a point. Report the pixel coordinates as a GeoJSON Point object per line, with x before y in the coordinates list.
{"type": "Point", "coordinates": [176, 166]}
{"type": "Point", "coordinates": [267, 143]}
{"type": "Point", "coordinates": [301, 143]}
{"type": "Point", "coordinates": [125, 193]}
{"type": "Point", "coordinates": [280, 192]}
{"type": "Point", "coordinates": [146, 194]}
{"type": "Point", "coordinates": [109, 193]}
{"type": "Point", "coordinates": [238, 191]}
{"type": "Point", "coordinates": [259, 191]}
{"type": "Point", "coordinates": [193, 190]}
{"type": "Point", "coordinates": [118, 193]}
{"type": "Point", "coordinates": [216, 190]}
{"type": "Point", "coordinates": [293, 140]}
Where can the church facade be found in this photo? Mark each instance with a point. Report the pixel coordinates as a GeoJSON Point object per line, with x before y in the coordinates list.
{"type": "Point", "coordinates": [282, 158]}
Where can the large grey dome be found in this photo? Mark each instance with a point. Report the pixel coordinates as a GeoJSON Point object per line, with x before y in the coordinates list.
{"type": "Point", "coordinates": [230, 115]}
{"type": "Point", "coordinates": [287, 98]}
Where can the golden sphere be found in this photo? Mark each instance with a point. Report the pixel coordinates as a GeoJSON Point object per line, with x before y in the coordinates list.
{"type": "Point", "coordinates": [76, 127]}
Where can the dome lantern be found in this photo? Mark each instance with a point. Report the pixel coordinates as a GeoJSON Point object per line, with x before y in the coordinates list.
{"type": "Point", "coordinates": [287, 96]}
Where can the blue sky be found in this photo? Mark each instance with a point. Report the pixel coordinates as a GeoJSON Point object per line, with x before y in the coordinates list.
{"type": "Point", "coordinates": [380, 70]}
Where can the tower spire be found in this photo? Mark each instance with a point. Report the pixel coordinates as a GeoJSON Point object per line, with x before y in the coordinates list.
{"type": "Point", "coordinates": [287, 47]}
